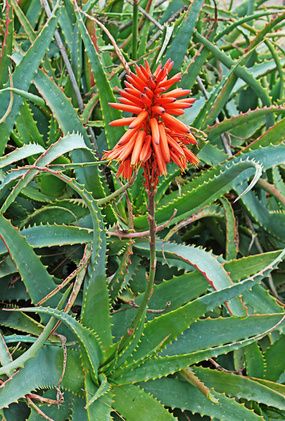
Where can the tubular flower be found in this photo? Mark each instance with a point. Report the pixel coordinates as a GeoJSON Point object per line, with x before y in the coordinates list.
{"type": "Point", "coordinates": [154, 136]}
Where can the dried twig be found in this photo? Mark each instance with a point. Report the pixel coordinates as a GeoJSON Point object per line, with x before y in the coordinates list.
{"type": "Point", "coordinates": [149, 17]}
{"type": "Point", "coordinates": [123, 234]}
{"type": "Point", "coordinates": [270, 188]}
{"type": "Point", "coordinates": [68, 279]}
{"type": "Point", "coordinates": [38, 410]}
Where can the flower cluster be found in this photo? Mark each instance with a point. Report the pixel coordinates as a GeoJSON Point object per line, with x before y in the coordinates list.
{"type": "Point", "coordinates": [154, 136]}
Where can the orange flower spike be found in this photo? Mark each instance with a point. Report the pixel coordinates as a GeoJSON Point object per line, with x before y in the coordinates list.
{"type": "Point", "coordinates": [138, 147]}
{"type": "Point", "coordinates": [166, 84]}
{"type": "Point", "coordinates": [177, 124]}
{"type": "Point", "coordinates": [131, 89]}
{"type": "Point", "coordinates": [154, 130]}
{"type": "Point", "coordinates": [132, 98]}
{"type": "Point", "coordinates": [128, 149]}
{"type": "Point", "coordinates": [176, 93]}
{"type": "Point", "coordinates": [154, 136]}
{"type": "Point", "coordinates": [164, 143]}
{"type": "Point", "coordinates": [175, 147]}
{"type": "Point", "coordinates": [169, 64]}
{"type": "Point", "coordinates": [122, 122]}
{"type": "Point", "coordinates": [143, 76]}
{"type": "Point", "coordinates": [191, 157]}
{"type": "Point", "coordinates": [158, 69]}
{"type": "Point", "coordinates": [125, 169]}
{"type": "Point", "coordinates": [147, 68]}
{"type": "Point", "coordinates": [158, 110]}
{"type": "Point", "coordinates": [178, 104]}
{"type": "Point", "coordinates": [191, 139]}
{"type": "Point", "coordinates": [176, 111]}
{"type": "Point", "coordinates": [136, 81]}
{"type": "Point", "coordinates": [146, 100]}
{"type": "Point", "coordinates": [188, 100]}
{"type": "Point", "coordinates": [146, 149]}
{"type": "Point", "coordinates": [125, 107]}
{"type": "Point", "coordinates": [165, 101]}
{"type": "Point", "coordinates": [159, 158]}
{"type": "Point", "coordinates": [138, 120]}
{"type": "Point", "coordinates": [126, 101]}
{"type": "Point", "coordinates": [186, 139]}
{"type": "Point", "coordinates": [127, 136]}
{"type": "Point", "coordinates": [113, 154]}
{"type": "Point", "coordinates": [179, 160]}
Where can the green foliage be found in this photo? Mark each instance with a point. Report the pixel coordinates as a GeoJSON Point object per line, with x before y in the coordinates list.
{"type": "Point", "coordinates": [79, 339]}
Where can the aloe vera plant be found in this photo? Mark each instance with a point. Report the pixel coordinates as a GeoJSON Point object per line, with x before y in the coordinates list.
{"type": "Point", "coordinates": [158, 295]}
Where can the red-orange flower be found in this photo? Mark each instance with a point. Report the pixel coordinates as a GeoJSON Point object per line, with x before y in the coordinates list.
{"type": "Point", "coordinates": [154, 136]}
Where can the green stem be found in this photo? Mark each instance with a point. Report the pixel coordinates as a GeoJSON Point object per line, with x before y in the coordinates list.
{"type": "Point", "coordinates": [135, 28]}
{"type": "Point", "coordinates": [140, 316]}
{"type": "Point", "coordinates": [152, 256]}
{"type": "Point", "coordinates": [152, 232]}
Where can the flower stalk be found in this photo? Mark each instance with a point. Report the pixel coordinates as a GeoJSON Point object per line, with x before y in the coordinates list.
{"type": "Point", "coordinates": [152, 253]}
{"type": "Point", "coordinates": [141, 312]}
{"type": "Point", "coordinates": [154, 136]}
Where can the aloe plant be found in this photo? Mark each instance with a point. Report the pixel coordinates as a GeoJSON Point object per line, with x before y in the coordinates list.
{"type": "Point", "coordinates": [91, 328]}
